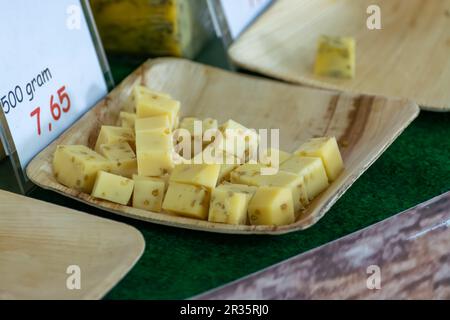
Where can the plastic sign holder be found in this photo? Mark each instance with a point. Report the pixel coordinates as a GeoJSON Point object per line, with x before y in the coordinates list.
{"type": "Point", "coordinates": [52, 71]}
{"type": "Point", "coordinates": [232, 17]}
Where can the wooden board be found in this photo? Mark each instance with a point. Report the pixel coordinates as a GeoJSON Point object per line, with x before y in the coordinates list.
{"type": "Point", "coordinates": [39, 241]}
{"type": "Point", "coordinates": [364, 125]}
{"type": "Point", "coordinates": [408, 58]}
{"type": "Point", "coordinates": [410, 249]}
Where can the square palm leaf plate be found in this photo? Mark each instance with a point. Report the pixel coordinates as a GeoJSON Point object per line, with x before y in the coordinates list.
{"type": "Point", "coordinates": [364, 126]}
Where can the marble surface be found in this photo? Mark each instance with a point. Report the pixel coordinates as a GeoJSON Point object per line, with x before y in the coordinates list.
{"type": "Point", "coordinates": [404, 257]}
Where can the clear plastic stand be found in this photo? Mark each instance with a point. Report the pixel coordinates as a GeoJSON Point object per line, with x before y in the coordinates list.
{"type": "Point", "coordinates": [226, 26]}
{"type": "Point", "coordinates": [24, 184]}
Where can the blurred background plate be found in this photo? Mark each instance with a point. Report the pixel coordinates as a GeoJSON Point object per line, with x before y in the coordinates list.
{"type": "Point", "coordinates": [39, 241]}
{"type": "Point", "coordinates": [409, 57]}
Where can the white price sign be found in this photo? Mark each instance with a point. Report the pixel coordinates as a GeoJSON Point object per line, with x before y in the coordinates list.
{"type": "Point", "coordinates": [240, 13]}
{"type": "Point", "coordinates": [50, 71]}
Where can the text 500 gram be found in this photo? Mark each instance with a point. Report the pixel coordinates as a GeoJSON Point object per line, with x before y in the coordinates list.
{"type": "Point", "coordinates": [246, 309]}
{"type": "Point", "coordinates": [16, 96]}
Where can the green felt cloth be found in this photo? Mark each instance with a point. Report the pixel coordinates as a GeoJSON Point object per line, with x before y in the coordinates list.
{"type": "Point", "coordinates": [181, 263]}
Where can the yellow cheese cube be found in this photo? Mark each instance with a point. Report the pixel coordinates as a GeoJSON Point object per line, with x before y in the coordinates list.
{"type": "Point", "coordinates": [311, 169]}
{"type": "Point", "coordinates": [127, 119]}
{"type": "Point", "coordinates": [271, 206]}
{"type": "Point", "coordinates": [250, 174]}
{"type": "Point", "coordinates": [113, 188]}
{"type": "Point", "coordinates": [196, 129]}
{"type": "Point", "coordinates": [335, 57]}
{"type": "Point", "coordinates": [205, 175]}
{"type": "Point", "coordinates": [130, 102]}
{"type": "Point", "coordinates": [327, 149]}
{"type": "Point", "coordinates": [246, 173]}
{"type": "Point", "coordinates": [229, 204]}
{"type": "Point", "coordinates": [148, 193]}
{"type": "Point", "coordinates": [211, 155]}
{"type": "Point", "coordinates": [147, 140]}
{"type": "Point", "coordinates": [77, 166]}
{"type": "Point", "coordinates": [154, 163]}
{"type": "Point", "coordinates": [237, 140]}
{"type": "Point", "coordinates": [158, 123]}
{"type": "Point", "coordinates": [110, 134]}
{"type": "Point", "coordinates": [154, 153]}
{"type": "Point", "coordinates": [268, 156]}
{"type": "Point", "coordinates": [150, 105]}
{"type": "Point", "coordinates": [187, 200]}
{"type": "Point", "coordinates": [123, 158]}
{"type": "Point", "coordinates": [241, 188]}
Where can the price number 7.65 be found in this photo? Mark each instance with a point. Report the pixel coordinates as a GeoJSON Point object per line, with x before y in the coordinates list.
{"type": "Point", "coordinates": [61, 105]}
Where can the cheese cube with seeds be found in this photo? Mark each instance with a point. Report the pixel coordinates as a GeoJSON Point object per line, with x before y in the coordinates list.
{"type": "Point", "coordinates": [150, 105]}
{"type": "Point", "coordinates": [211, 155]}
{"type": "Point", "coordinates": [271, 206]}
{"type": "Point", "coordinates": [148, 193]}
{"type": "Point", "coordinates": [229, 204]}
{"type": "Point", "coordinates": [111, 134]}
{"type": "Point", "coordinates": [237, 140]}
{"type": "Point", "coordinates": [127, 119]}
{"type": "Point", "coordinates": [122, 157]}
{"type": "Point", "coordinates": [157, 123]}
{"type": "Point", "coordinates": [311, 169]}
{"type": "Point", "coordinates": [268, 156]}
{"type": "Point", "coordinates": [205, 175]}
{"type": "Point", "coordinates": [154, 153]}
{"type": "Point", "coordinates": [335, 57]}
{"type": "Point", "coordinates": [76, 166]}
{"type": "Point", "coordinates": [113, 188]}
{"type": "Point", "coordinates": [130, 102]}
{"type": "Point", "coordinates": [187, 200]}
{"type": "Point", "coordinates": [250, 174]}
{"type": "Point", "coordinates": [327, 149]}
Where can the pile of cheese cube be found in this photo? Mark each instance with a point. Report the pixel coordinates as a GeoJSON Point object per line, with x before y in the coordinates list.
{"type": "Point", "coordinates": [135, 163]}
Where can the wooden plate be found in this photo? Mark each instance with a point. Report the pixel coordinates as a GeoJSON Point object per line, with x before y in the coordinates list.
{"type": "Point", "coordinates": [39, 241]}
{"type": "Point", "coordinates": [364, 126]}
{"type": "Point", "coordinates": [408, 58]}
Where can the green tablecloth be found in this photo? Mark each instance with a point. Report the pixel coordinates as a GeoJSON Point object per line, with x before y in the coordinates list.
{"type": "Point", "coordinates": [180, 263]}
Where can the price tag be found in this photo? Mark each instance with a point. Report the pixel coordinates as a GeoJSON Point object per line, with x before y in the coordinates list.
{"type": "Point", "coordinates": [52, 70]}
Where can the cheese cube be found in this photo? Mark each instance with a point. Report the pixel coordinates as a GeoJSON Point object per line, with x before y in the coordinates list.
{"type": "Point", "coordinates": [150, 105]}
{"type": "Point", "coordinates": [113, 188]}
{"type": "Point", "coordinates": [237, 140]}
{"type": "Point", "coordinates": [335, 57]}
{"type": "Point", "coordinates": [123, 158]}
{"type": "Point", "coordinates": [158, 123]}
{"type": "Point", "coordinates": [250, 174]}
{"type": "Point", "coordinates": [271, 206]}
{"type": "Point", "coordinates": [205, 175]}
{"type": "Point", "coordinates": [268, 156]}
{"type": "Point", "coordinates": [148, 193]}
{"type": "Point", "coordinates": [127, 119]}
{"type": "Point", "coordinates": [327, 149]}
{"type": "Point", "coordinates": [154, 153]}
{"type": "Point", "coordinates": [130, 102]}
{"type": "Point", "coordinates": [77, 166]}
{"type": "Point", "coordinates": [154, 163]}
{"type": "Point", "coordinates": [229, 204]}
{"type": "Point", "coordinates": [246, 174]}
{"type": "Point", "coordinates": [311, 169]}
{"type": "Point", "coordinates": [187, 200]}
{"type": "Point", "coordinates": [211, 155]}
{"type": "Point", "coordinates": [110, 134]}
